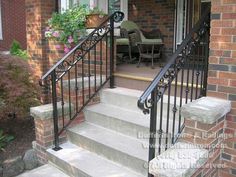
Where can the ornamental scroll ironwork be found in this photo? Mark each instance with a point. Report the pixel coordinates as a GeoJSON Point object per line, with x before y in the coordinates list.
{"type": "Point", "coordinates": [176, 63]}
{"type": "Point", "coordinates": [85, 45]}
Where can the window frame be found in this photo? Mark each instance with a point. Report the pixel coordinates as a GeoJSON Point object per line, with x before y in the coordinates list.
{"type": "Point", "coordinates": [102, 4]}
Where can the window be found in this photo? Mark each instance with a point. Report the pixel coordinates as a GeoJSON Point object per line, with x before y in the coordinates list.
{"type": "Point", "coordinates": [110, 6]}
{"type": "Point", "coordinates": [67, 4]}
{"type": "Point", "coordinates": [0, 22]}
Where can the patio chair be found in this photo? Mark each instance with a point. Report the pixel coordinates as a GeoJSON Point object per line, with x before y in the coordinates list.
{"type": "Point", "coordinates": [124, 41]}
{"type": "Point", "coordinates": [148, 49]}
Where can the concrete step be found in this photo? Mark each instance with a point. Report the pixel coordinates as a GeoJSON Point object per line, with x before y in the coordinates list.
{"type": "Point", "coordinates": [130, 123]}
{"type": "Point", "coordinates": [79, 81]}
{"type": "Point", "coordinates": [47, 170]}
{"type": "Point", "coordinates": [78, 162]}
{"type": "Point", "coordinates": [127, 151]}
{"type": "Point", "coordinates": [128, 98]}
{"type": "Point", "coordinates": [132, 81]}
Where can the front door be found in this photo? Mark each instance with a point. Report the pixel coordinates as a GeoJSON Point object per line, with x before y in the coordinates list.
{"type": "Point", "coordinates": [188, 13]}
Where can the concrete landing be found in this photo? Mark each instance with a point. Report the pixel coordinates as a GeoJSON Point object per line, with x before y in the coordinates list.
{"type": "Point", "coordinates": [45, 170]}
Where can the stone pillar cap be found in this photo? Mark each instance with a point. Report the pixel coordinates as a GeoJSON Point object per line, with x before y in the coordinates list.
{"type": "Point", "coordinates": [206, 109]}
{"type": "Point", "coordinates": [46, 111]}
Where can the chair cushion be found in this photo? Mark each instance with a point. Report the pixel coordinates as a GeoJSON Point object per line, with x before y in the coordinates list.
{"type": "Point", "coordinates": [122, 41]}
{"type": "Point", "coordinates": [129, 25]}
{"type": "Point", "coordinates": [152, 40]}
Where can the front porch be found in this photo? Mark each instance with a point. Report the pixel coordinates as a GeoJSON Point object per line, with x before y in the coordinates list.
{"type": "Point", "coordinates": [108, 120]}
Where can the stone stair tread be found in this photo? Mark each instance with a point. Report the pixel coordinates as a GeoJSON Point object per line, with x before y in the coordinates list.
{"type": "Point", "coordinates": [120, 113]}
{"type": "Point", "coordinates": [89, 164]}
{"type": "Point", "coordinates": [137, 93]}
{"type": "Point", "coordinates": [130, 116]}
{"type": "Point", "coordinates": [112, 139]}
{"type": "Point", "coordinates": [124, 91]}
{"type": "Point", "coordinates": [45, 170]}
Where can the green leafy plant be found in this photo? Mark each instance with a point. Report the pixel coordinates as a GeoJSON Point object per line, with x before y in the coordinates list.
{"type": "Point", "coordinates": [5, 139]}
{"type": "Point", "coordinates": [67, 27]}
{"type": "Point", "coordinates": [17, 50]}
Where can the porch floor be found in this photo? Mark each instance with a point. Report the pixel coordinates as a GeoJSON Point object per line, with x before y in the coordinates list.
{"type": "Point", "coordinates": [142, 71]}
{"type": "Point", "coordinates": [133, 77]}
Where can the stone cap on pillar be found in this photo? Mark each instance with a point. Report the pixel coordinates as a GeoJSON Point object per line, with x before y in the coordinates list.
{"type": "Point", "coordinates": [206, 109]}
{"type": "Point", "coordinates": [46, 111]}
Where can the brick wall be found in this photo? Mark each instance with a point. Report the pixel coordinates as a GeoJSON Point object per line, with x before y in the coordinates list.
{"type": "Point", "coordinates": [13, 23]}
{"type": "Point", "coordinates": [222, 72]}
{"type": "Point", "coordinates": [153, 14]}
{"type": "Point", "coordinates": [37, 14]}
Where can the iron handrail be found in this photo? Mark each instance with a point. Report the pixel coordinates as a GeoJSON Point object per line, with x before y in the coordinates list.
{"type": "Point", "coordinates": [116, 16]}
{"type": "Point", "coordinates": [144, 97]}
{"type": "Point", "coordinates": [69, 65]}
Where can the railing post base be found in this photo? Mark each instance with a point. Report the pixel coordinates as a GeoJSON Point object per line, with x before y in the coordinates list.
{"type": "Point", "coordinates": [57, 148]}
{"type": "Point", "coordinates": [150, 175]}
{"type": "Point", "coordinates": [112, 82]}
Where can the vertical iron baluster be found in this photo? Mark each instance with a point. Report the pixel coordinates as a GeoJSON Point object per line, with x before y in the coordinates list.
{"type": "Point", "coordinates": [174, 110]}
{"type": "Point", "coordinates": [181, 96]}
{"type": "Point", "coordinates": [168, 116]}
{"type": "Point", "coordinates": [62, 103]}
{"type": "Point", "coordinates": [83, 74]}
{"type": "Point", "coordinates": [153, 119]}
{"type": "Point", "coordinates": [160, 126]}
{"type": "Point", "coordinates": [70, 113]}
{"type": "Point", "coordinates": [112, 83]}
{"type": "Point", "coordinates": [101, 62]}
{"type": "Point", "coordinates": [197, 73]}
{"type": "Point", "coordinates": [106, 55]}
{"type": "Point", "coordinates": [202, 65]}
{"type": "Point", "coordinates": [55, 113]}
{"type": "Point", "coordinates": [95, 68]}
{"type": "Point", "coordinates": [187, 86]}
{"type": "Point", "coordinates": [193, 72]}
{"type": "Point", "coordinates": [76, 89]}
{"type": "Point", "coordinates": [89, 74]}
{"type": "Point", "coordinates": [206, 62]}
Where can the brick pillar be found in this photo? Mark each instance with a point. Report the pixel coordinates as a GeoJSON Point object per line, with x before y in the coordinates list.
{"type": "Point", "coordinates": [222, 71]}
{"type": "Point", "coordinates": [37, 14]}
{"type": "Point", "coordinates": [44, 127]}
{"type": "Point", "coordinates": [204, 127]}
{"type": "Point", "coordinates": [197, 151]}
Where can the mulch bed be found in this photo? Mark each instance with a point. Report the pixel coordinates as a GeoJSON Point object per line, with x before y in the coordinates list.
{"type": "Point", "coordinates": [23, 131]}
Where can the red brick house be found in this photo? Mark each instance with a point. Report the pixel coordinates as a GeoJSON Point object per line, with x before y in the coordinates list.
{"type": "Point", "coordinates": [12, 23]}
{"type": "Point", "coordinates": [71, 86]}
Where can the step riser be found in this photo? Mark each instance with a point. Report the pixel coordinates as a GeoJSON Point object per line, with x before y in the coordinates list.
{"type": "Point", "coordinates": [135, 164]}
{"type": "Point", "coordinates": [66, 167]}
{"type": "Point", "coordinates": [126, 128]}
{"type": "Point", "coordinates": [142, 85]}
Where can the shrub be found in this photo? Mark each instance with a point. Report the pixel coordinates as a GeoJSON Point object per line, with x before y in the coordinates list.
{"type": "Point", "coordinates": [17, 50]}
{"type": "Point", "coordinates": [18, 91]}
{"type": "Point", "coordinates": [4, 140]}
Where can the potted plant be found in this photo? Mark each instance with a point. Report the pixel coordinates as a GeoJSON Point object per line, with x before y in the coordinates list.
{"type": "Point", "coordinates": [68, 27]}
{"type": "Point", "coordinates": [95, 18]}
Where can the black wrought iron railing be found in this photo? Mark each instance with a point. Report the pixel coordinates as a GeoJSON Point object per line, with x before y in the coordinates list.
{"type": "Point", "coordinates": [183, 79]}
{"type": "Point", "coordinates": [76, 79]}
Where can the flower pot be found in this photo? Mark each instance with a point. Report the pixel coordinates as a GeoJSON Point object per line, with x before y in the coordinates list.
{"type": "Point", "coordinates": [94, 20]}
